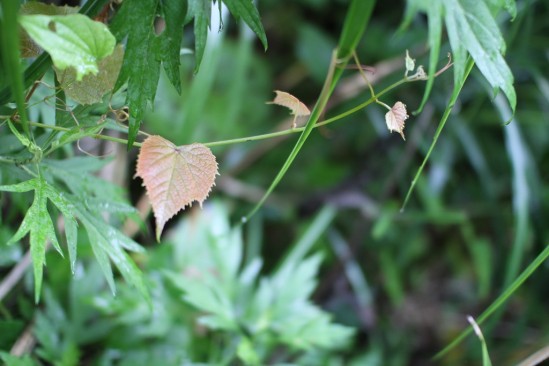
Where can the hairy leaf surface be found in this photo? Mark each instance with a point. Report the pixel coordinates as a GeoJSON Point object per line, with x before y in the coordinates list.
{"type": "Point", "coordinates": [72, 40]}
{"type": "Point", "coordinates": [174, 176]}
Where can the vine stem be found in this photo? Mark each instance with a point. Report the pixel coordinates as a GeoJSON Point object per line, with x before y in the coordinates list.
{"type": "Point", "coordinates": [248, 138]}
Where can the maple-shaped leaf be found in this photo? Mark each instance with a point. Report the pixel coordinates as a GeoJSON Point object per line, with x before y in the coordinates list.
{"type": "Point", "coordinates": [174, 176]}
{"type": "Point", "coordinates": [396, 117]}
{"type": "Point", "coordinates": [289, 101]}
{"type": "Point", "coordinates": [38, 223]}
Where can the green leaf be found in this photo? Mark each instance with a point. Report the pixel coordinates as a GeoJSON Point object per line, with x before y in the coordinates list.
{"type": "Point", "coordinates": [202, 12]}
{"type": "Point", "coordinates": [472, 29]}
{"type": "Point", "coordinates": [174, 12]}
{"type": "Point", "coordinates": [471, 25]}
{"type": "Point", "coordinates": [141, 66]}
{"type": "Point", "coordinates": [28, 47]}
{"type": "Point", "coordinates": [108, 241]}
{"type": "Point", "coordinates": [38, 223]}
{"type": "Point", "coordinates": [72, 40]}
{"type": "Point", "coordinates": [11, 360]}
{"type": "Point", "coordinates": [91, 88]}
{"type": "Point", "coordinates": [35, 70]}
{"type": "Point", "coordinates": [79, 132]}
{"type": "Point", "coordinates": [246, 10]}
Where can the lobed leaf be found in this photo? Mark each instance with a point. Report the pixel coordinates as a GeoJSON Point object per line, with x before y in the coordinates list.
{"type": "Point", "coordinates": [72, 40]}
{"type": "Point", "coordinates": [38, 224]}
{"type": "Point", "coordinates": [145, 51]}
{"type": "Point", "coordinates": [174, 176]}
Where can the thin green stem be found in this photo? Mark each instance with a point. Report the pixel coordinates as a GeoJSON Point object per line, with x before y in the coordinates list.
{"type": "Point", "coordinates": [255, 137]}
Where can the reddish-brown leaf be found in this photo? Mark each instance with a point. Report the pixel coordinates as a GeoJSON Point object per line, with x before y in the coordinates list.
{"type": "Point", "coordinates": [174, 176]}
{"type": "Point", "coordinates": [289, 101]}
{"type": "Point", "coordinates": [396, 118]}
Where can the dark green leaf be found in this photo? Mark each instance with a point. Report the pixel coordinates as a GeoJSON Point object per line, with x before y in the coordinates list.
{"type": "Point", "coordinates": [174, 12]}
{"type": "Point", "coordinates": [141, 67]}
{"type": "Point", "coordinates": [202, 12]}
{"type": "Point", "coordinates": [246, 10]}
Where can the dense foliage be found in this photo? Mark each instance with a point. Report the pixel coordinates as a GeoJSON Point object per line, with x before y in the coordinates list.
{"type": "Point", "coordinates": [319, 237]}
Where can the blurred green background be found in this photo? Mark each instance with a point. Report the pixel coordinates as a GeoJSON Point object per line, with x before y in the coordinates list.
{"type": "Point", "coordinates": [404, 281]}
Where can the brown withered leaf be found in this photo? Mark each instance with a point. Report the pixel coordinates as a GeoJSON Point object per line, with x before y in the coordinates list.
{"type": "Point", "coordinates": [92, 87]}
{"type": "Point", "coordinates": [289, 101]}
{"type": "Point", "coordinates": [174, 176]}
{"type": "Point", "coordinates": [396, 117]}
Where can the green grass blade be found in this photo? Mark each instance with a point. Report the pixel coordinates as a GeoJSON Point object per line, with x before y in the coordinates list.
{"type": "Point", "coordinates": [449, 107]}
{"type": "Point", "coordinates": [522, 163]}
{"type": "Point", "coordinates": [538, 261]}
{"type": "Point", "coordinates": [355, 24]}
{"type": "Point", "coordinates": [357, 18]}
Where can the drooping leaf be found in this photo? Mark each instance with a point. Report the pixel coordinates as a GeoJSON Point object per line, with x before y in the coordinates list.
{"type": "Point", "coordinates": [472, 28]}
{"type": "Point", "coordinates": [289, 101]}
{"type": "Point", "coordinates": [174, 12]}
{"type": "Point", "coordinates": [174, 176]}
{"type": "Point", "coordinates": [107, 242]}
{"type": "Point", "coordinates": [37, 222]}
{"type": "Point", "coordinates": [471, 25]}
{"type": "Point", "coordinates": [91, 88]}
{"type": "Point", "coordinates": [93, 200]}
{"type": "Point", "coordinates": [72, 40]}
{"type": "Point", "coordinates": [145, 51]}
{"type": "Point", "coordinates": [396, 118]}
{"type": "Point", "coordinates": [28, 47]}
{"type": "Point", "coordinates": [246, 10]}
{"type": "Point", "coordinates": [202, 12]}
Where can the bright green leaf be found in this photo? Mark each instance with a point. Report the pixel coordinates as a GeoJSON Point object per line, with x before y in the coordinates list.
{"type": "Point", "coordinates": [37, 222]}
{"type": "Point", "coordinates": [72, 40]}
{"type": "Point", "coordinates": [28, 47]}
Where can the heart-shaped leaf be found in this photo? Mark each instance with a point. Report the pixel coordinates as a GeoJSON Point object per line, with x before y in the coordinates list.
{"type": "Point", "coordinates": [396, 117]}
{"type": "Point", "coordinates": [174, 176]}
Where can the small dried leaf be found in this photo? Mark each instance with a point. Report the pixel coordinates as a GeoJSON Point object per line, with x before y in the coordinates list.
{"type": "Point", "coordinates": [410, 63]}
{"type": "Point", "coordinates": [396, 117]}
{"type": "Point", "coordinates": [174, 176]}
{"type": "Point", "coordinates": [289, 101]}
